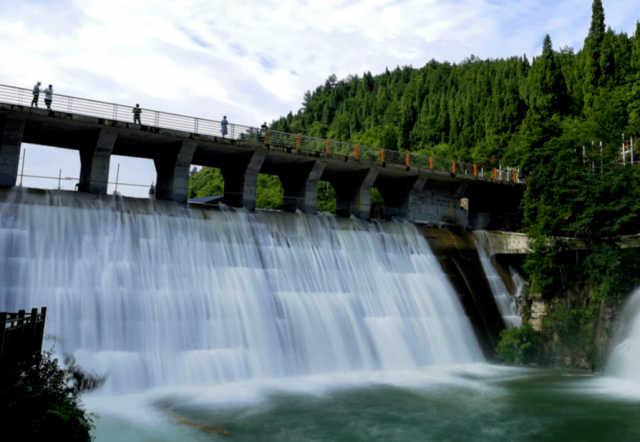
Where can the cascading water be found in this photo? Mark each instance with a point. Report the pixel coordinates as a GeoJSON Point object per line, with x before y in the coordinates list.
{"type": "Point", "coordinates": [625, 356]}
{"type": "Point", "coordinates": [506, 303]}
{"type": "Point", "coordinates": [156, 294]}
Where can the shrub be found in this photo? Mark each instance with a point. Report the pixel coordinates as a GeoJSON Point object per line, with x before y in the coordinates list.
{"type": "Point", "coordinates": [41, 400]}
{"type": "Point", "coordinates": [520, 346]}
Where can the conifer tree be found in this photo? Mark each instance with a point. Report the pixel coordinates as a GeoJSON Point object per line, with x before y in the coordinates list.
{"type": "Point", "coordinates": [592, 51]}
{"type": "Point", "coordinates": [547, 89]}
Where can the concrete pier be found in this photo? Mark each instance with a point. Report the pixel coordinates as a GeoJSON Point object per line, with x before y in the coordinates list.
{"type": "Point", "coordinates": [12, 130]}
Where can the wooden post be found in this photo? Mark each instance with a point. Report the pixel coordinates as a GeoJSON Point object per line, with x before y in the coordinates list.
{"type": "Point", "coordinates": [475, 170]}
{"type": "Point", "coordinates": [430, 162]}
{"type": "Point", "coordinates": [40, 329]}
{"type": "Point", "coordinates": [328, 147]}
{"type": "Point", "coordinates": [514, 177]}
{"type": "Point", "coordinates": [31, 332]}
{"type": "Point", "coordinates": [407, 161]}
{"type": "Point", "coordinates": [19, 354]}
{"type": "Point", "coordinates": [382, 155]}
{"type": "Point", "coordinates": [3, 328]}
{"type": "Point", "coordinates": [495, 173]}
{"type": "Point", "coordinates": [298, 142]}
{"type": "Point", "coordinates": [355, 151]}
{"type": "Point", "coordinates": [454, 166]}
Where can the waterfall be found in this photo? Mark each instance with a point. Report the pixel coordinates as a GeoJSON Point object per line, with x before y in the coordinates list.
{"type": "Point", "coordinates": [624, 359]}
{"type": "Point", "coordinates": [157, 294]}
{"type": "Point", "coordinates": [506, 303]}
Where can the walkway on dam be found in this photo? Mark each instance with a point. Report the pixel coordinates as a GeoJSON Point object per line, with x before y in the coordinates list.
{"type": "Point", "coordinates": [202, 126]}
{"type": "Point", "coordinates": [416, 187]}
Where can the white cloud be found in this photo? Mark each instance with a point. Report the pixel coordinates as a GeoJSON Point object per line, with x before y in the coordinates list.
{"type": "Point", "coordinates": [253, 60]}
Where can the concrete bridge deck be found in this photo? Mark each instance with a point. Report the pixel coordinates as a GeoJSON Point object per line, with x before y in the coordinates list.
{"type": "Point", "coordinates": [419, 189]}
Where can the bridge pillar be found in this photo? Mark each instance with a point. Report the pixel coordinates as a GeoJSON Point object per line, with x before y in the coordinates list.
{"type": "Point", "coordinates": [11, 130]}
{"type": "Point", "coordinates": [94, 162]}
{"type": "Point", "coordinates": [400, 196]}
{"type": "Point", "coordinates": [241, 180]}
{"type": "Point", "coordinates": [494, 207]}
{"type": "Point", "coordinates": [301, 188]}
{"type": "Point", "coordinates": [353, 192]}
{"type": "Point", "coordinates": [172, 169]}
{"type": "Point", "coordinates": [419, 199]}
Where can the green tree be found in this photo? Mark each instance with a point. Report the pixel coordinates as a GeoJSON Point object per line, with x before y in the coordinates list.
{"type": "Point", "coordinates": [593, 51]}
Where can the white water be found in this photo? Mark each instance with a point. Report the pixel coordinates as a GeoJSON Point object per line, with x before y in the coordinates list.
{"type": "Point", "coordinates": [506, 303]}
{"type": "Point", "coordinates": [155, 294]}
{"type": "Point", "coordinates": [624, 360]}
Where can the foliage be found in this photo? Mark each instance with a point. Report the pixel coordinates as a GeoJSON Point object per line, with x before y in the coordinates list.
{"type": "Point", "coordinates": [41, 400]}
{"type": "Point", "coordinates": [520, 346]}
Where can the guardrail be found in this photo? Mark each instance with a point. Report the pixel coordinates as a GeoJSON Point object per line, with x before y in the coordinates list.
{"type": "Point", "coordinates": [21, 336]}
{"type": "Point", "coordinates": [149, 117]}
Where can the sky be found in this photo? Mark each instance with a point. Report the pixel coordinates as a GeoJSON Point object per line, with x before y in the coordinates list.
{"type": "Point", "coordinates": [253, 60]}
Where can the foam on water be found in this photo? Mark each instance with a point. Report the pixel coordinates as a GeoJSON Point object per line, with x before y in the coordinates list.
{"type": "Point", "coordinates": [159, 295]}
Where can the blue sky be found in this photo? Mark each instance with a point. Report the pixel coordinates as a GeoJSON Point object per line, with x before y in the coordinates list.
{"type": "Point", "coordinates": [253, 60]}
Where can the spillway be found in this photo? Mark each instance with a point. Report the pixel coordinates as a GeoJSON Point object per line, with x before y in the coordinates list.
{"type": "Point", "coordinates": [505, 302]}
{"type": "Point", "coordinates": [158, 294]}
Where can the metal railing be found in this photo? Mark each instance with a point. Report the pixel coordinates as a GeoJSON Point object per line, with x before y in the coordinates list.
{"type": "Point", "coordinates": [201, 126]}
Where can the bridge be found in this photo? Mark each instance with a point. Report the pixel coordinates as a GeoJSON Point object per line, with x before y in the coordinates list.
{"type": "Point", "coordinates": [418, 188]}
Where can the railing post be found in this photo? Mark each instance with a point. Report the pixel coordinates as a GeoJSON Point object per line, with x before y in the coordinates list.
{"type": "Point", "coordinates": [453, 163]}
{"type": "Point", "coordinates": [382, 155]}
{"type": "Point", "coordinates": [407, 160]}
{"type": "Point", "coordinates": [431, 163]}
{"type": "Point", "coordinates": [495, 173]}
{"type": "Point", "coordinates": [298, 142]}
{"type": "Point", "coordinates": [40, 329]}
{"type": "Point", "coordinates": [3, 328]}
{"type": "Point", "coordinates": [475, 170]}
{"type": "Point", "coordinates": [328, 147]}
{"type": "Point", "coordinates": [32, 331]}
{"type": "Point", "coordinates": [20, 324]}
{"type": "Point", "coordinates": [514, 177]}
{"type": "Point", "coordinates": [355, 151]}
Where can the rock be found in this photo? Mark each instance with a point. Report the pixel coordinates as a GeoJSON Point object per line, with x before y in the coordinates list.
{"type": "Point", "coordinates": [539, 311]}
{"type": "Point", "coordinates": [582, 362]}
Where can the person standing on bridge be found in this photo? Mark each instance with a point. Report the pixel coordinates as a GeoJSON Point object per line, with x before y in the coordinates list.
{"type": "Point", "coordinates": [48, 96]}
{"type": "Point", "coordinates": [36, 94]}
{"type": "Point", "coordinates": [136, 114]}
{"type": "Point", "coordinates": [223, 126]}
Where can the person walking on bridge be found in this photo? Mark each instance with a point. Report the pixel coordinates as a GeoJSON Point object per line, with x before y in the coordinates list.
{"type": "Point", "coordinates": [223, 126]}
{"type": "Point", "coordinates": [136, 114]}
{"type": "Point", "coordinates": [36, 94]}
{"type": "Point", "coordinates": [48, 96]}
